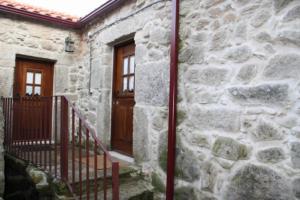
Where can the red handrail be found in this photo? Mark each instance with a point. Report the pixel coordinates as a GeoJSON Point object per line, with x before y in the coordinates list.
{"type": "Point", "coordinates": [52, 148]}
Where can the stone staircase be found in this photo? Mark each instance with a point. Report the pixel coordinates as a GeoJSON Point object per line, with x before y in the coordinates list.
{"type": "Point", "coordinates": [133, 186]}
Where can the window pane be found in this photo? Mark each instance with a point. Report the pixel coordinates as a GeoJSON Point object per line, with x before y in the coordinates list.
{"type": "Point", "coordinates": [125, 84]}
{"type": "Point", "coordinates": [131, 83]}
{"type": "Point", "coordinates": [29, 77]}
{"type": "Point", "coordinates": [28, 90]}
{"type": "Point", "coordinates": [125, 66]}
{"type": "Point", "coordinates": [132, 63]}
{"type": "Point", "coordinates": [37, 90]}
{"type": "Point", "coordinates": [38, 78]}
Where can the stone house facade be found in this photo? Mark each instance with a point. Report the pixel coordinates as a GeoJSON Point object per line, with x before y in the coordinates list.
{"type": "Point", "coordinates": [238, 125]}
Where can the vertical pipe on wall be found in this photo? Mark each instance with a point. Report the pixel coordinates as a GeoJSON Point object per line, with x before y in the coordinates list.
{"type": "Point", "coordinates": [172, 100]}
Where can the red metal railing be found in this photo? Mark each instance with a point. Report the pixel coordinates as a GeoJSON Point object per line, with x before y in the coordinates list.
{"type": "Point", "coordinates": [37, 130]}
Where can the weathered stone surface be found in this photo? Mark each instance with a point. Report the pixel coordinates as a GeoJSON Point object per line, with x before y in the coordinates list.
{"type": "Point", "coordinates": [199, 140]}
{"type": "Point", "coordinates": [247, 73]}
{"type": "Point", "coordinates": [141, 141]}
{"type": "Point", "coordinates": [260, 18]}
{"type": "Point", "coordinates": [242, 2]}
{"type": "Point", "coordinates": [160, 35]}
{"type": "Point", "coordinates": [151, 84]}
{"type": "Point", "coordinates": [209, 175]}
{"type": "Point", "coordinates": [241, 32]}
{"type": "Point", "coordinates": [185, 193]}
{"type": "Point", "coordinates": [265, 93]}
{"type": "Point", "coordinates": [283, 66]}
{"type": "Point", "coordinates": [239, 54]}
{"type": "Point", "coordinates": [290, 37]}
{"type": "Point", "coordinates": [210, 3]}
{"type": "Point", "coordinates": [39, 178]}
{"type": "Point", "coordinates": [229, 149]}
{"type": "Point", "coordinates": [191, 55]}
{"type": "Point", "coordinates": [219, 40]}
{"type": "Point", "coordinates": [208, 76]}
{"type": "Point", "coordinates": [295, 154]}
{"type": "Point", "coordinates": [263, 37]}
{"type": "Point", "coordinates": [292, 14]}
{"type": "Point", "coordinates": [259, 183]}
{"type": "Point", "coordinates": [61, 83]}
{"type": "Point", "coordinates": [267, 131]}
{"type": "Point", "coordinates": [279, 4]}
{"type": "Point", "coordinates": [271, 155]}
{"type": "Point", "coordinates": [215, 119]}
{"type": "Point", "coordinates": [187, 165]}
{"type": "Point", "coordinates": [296, 187]}
{"type": "Point", "coordinates": [157, 183]}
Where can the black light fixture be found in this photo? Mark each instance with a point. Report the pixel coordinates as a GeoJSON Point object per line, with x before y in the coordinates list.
{"type": "Point", "coordinates": [69, 44]}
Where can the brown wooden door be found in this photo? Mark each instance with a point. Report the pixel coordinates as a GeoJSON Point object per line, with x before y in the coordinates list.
{"type": "Point", "coordinates": [33, 102]}
{"type": "Point", "coordinates": [123, 99]}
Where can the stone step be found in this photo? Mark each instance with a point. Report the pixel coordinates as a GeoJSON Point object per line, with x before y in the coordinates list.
{"type": "Point", "coordinates": [132, 190]}
{"type": "Point", "coordinates": [126, 174]}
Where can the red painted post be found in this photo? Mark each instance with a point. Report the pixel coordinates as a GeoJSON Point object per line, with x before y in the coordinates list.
{"type": "Point", "coordinates": [115, 180]}
{"type": "Point", "coordinates": [172, 101]}
{"type": "Point", "coordinates": [64, 138]}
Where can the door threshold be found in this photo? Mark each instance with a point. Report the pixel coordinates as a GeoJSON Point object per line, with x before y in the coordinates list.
{"type": "Point", "coordinates": [122, 157]}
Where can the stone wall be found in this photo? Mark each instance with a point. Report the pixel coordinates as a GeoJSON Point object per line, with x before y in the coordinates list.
{"type": "Point", "coordinates": [238, 125]}
{"type": "Point", "coordinates": [29, 38]}
{"type": "Point", "coordinates": [238, 109]}
{"type": "Point", "coordinates": [148, 24]}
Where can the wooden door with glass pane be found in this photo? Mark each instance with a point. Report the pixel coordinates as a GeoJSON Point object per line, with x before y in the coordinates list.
{"type": "Point", "coordinates": [123, 99]}
{"type": "Point", "coordinates": [32, 106]}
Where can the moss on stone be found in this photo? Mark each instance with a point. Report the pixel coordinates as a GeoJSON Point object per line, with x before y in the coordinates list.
{"type": "Point", "coordinates": [158, 183]}
{"type": "Point", "coordinates": [36, 178]}
{"type": "Point", "coordinates": [185, 193]}
{"type": "Point", "coordinates": [243, 152]}
{"type": "Point", "coordinates": [61, 188]}
{"type": "Point", "coordinates": [181, 116]}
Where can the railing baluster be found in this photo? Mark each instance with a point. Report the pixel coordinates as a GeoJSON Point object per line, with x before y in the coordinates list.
{"type": "Point", "coordinates": [45, 135]}
{"type": "Point", "coordinates": [95, 170]}
{"type": "Point", "coordinates": [64, 139]}
{"type": "Point", "coordinates": [80, 161]}
{"type": "Point", "coordinates": [22, 128]}
{"type": "Point", "coordinates": [8, 125]}
{"type": "Point", "coordinates": [73, 148]}
{"type": "Point", "coordinates": [115, 180]}
{"type": "Point", "coordinates": [4, 115]}
{"type": "Point", "coordinates": [87, 165]}
{"type": "Point", "coordinates": [40, 134]}
{"type": "Point", "coordinates": [104, 176]}
{"type": "Point", "coordinates": [50, 135]}
{"type": "Point", "coordinates": [23, 112]}
{"type": "Point", "coordinates": [55, 137]}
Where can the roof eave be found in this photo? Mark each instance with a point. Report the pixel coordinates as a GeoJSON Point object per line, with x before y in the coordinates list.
{"type": "Point", "coordinates": [36, 16]}
{"type": "Point", "coordinates": [100, 11]}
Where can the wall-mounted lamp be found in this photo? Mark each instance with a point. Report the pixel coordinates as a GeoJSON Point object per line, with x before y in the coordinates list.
{"type": "Point", "coordinates": [69, 44]}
